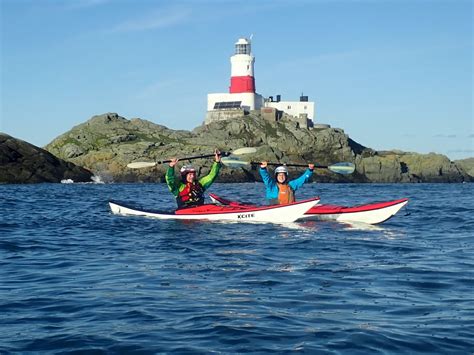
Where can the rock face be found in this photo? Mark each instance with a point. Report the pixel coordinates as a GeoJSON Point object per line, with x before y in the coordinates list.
{"type": "Point", "coordinates": [409, 167]}
{"type": "Point", "coordinates": [107, 143]}
{"type": "Point", "coordinates": [466, 165]}
{"type": "Point", "coordinates": [21, 162]}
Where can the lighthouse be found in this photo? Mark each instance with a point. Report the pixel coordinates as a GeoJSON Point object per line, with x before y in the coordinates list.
{"type": "Point", "coordinates": [242, 79]}
{"type": "Point", "coordinates": [243, 98]}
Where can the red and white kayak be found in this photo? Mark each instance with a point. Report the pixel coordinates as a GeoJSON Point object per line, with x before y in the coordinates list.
{"type": "Point", "coordinates": [372, 213]}
{"type": "Point", "coordinates": [244, 213]}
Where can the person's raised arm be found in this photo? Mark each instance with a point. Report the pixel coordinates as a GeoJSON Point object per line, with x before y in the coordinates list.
{"type": "Point", "coordinates": [173, 162]}
{"type": "Point", "coordinates": [170, 178]}
{"type": "Point", "coordinates": [218, 155]}
{"type": "Point", "coordinates": [267, 180]}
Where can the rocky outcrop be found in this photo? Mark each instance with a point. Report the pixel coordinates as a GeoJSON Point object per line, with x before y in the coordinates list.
{"type": "Point", "coordinates": [107, 143]}
{"type": "Point", "coordinates": [22, 162]}
{"type": "Point", "coordinates": [409, 167]}
{"type": "Point", "coordinates": [467, 165]}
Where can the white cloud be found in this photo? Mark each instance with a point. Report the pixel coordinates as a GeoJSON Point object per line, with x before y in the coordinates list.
{"type": "Point", "coordinates": [461, 151]}
{"type": "Point", "coordinates": [155, 89]}
{"type": "Point", "coordinates": [84, 4]}
{"type": "Point", "coordinates": [160, 18]}
{"type": "Point", "coordinates": [443, 135]}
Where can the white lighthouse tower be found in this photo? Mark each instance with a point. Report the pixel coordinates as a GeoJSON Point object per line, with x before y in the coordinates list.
{"type": "Point", "coordinates": [241, 97]}
{"type": "Point", "coordinates": [242, 79]}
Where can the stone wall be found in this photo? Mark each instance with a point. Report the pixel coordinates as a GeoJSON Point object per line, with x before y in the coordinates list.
{"type": "Point", "coordinates": [221, 115]}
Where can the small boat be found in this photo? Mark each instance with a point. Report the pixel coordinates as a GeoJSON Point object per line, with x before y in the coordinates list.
{"type": "Point", "coordinates": [213, 212]}
{"type": "Point", "coordinates": [372, 213]}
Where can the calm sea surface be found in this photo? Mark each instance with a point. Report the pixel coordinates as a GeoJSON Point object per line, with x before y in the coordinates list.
{"type": "Point", "coordinates": [75, 278]}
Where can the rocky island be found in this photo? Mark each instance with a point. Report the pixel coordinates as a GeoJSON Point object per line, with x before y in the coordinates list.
{"type": "Point", "coordinates": [106, 143]}
{"type": "Point", "coordinates": [22, 162]}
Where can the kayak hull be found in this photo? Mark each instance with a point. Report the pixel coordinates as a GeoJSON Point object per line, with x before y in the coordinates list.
{"type": "Point", "coordinates": [272, 214]}
{"type": "Point", "coordinates": [372, 213]}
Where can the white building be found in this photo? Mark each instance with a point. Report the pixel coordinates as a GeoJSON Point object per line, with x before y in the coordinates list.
{"type": "Point", "coordinates": [293, 108]}
{"type": "Point", "coordinates": [242, 96]}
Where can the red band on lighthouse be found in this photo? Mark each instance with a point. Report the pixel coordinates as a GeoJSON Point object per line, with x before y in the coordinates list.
{"type": "Point", "coordinates": [240, 84]}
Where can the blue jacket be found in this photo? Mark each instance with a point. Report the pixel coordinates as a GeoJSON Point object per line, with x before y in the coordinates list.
{"type": "Point", "coordinates": [271, 184]}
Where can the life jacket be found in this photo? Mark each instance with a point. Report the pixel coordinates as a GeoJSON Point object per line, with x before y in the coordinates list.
{"type": "Point", "coordinates": [286, 194]}
{"type": "Point", "coordinates": [191, 195]}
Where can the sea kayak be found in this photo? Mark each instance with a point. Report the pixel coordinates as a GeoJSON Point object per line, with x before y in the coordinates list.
{"type": "Point", "coordinates": [274, 214]}
{"type": "Point", "coordinates": [372, 213]}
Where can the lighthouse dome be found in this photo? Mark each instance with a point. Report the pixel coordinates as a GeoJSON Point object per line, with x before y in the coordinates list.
{"type": "Point", "coordinates": [243, 41]}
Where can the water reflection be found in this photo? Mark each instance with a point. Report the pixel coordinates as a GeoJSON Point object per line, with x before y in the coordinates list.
{"type": "Point", "coordinates": [384, 231]}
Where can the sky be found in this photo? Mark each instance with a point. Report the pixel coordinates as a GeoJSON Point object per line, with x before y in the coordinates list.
{"type": "Point", "coordinates": [394, 74]}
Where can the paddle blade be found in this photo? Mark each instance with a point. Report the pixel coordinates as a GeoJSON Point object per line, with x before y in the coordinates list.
{"type": "Point", "coordinates": [342, 168]}
{"type": "Point", "coordinates": [247, 150]}
{"type": "Point", "coordinates": [234, 163]}
{"type": "Point", "coordinates": [141, 164]}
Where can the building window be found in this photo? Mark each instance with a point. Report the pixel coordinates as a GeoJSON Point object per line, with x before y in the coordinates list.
{"type": "Point", "coordinates": [289, 107]}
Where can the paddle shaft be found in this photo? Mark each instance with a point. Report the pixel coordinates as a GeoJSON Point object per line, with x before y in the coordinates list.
{"type": "Point", "coordinates": [294, 165]}
{"type": "Point", "coordinates": [145, 164]}
{"type": "Point", "coordinates": [343, 168]}
{"type": "Point", "coordinates": [224, 154]}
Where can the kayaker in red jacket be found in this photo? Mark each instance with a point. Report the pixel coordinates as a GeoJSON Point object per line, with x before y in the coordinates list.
{"type": "Point", "coordinates": [279, 190]}
{"type": "Point", "coordinates": [189, 191]}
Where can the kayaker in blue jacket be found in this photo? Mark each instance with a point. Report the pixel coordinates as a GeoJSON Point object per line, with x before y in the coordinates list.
{"type": "Point", "coordinates": [279, 190]}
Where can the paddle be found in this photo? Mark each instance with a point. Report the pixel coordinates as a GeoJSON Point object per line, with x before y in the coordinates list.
{"type": "Point", "coordinates": [343, 168]}
{"type": "Point", "coordinates": [143, 164]}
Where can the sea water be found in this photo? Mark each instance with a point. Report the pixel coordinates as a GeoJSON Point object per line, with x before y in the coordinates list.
{"type": "Point", "coordinates": [75, 278]}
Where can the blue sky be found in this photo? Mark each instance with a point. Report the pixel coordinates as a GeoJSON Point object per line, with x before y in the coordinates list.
{"type": "Point", "coordinates": [394, 74]}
